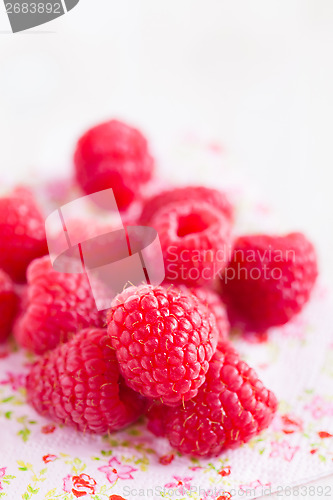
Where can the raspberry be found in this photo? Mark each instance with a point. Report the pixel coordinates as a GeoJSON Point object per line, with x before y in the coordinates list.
{"type": "Point", "coordinates": [113, 155]}
{"type": "Point", "coordinates": [193, 237]}
{"type": "Point", "coordinates": [22, 233]}
{"type": "Point", "coordinates": [79, 384]}
{"type": "Point", "coordinates": [231, 407]}
{"type": "Point", "coordinates": [269, 279]}
{"type": "Point", "coordinates": [155, 414]}
{"type": "Point", "coordinates": [58, 305]}
{"type": "Point", "coordinates": [164, 340]}
{"type": "Point", "coordinates": [213, 302]}
{"type": "Point", "coordinates": [192, 193]}
{"type": "Point", "coordinates": [8, 305]}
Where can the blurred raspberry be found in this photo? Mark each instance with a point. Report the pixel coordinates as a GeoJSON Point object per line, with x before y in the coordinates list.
{"type": "Point", "coordinates": [58, 305]}
{"type": "Point", "coordinates": [22, 233]}
{"type": "Point", "coordinates": [231, 407]}
{"type": "Point", "coordinates": [211, 196]}
{"type": "Point", "coordinates": [79, 384]}
{"type": "Point", "coordinates": [113, 155]}
{"type": "Point", "coordinates": [164, 340]}
{"type": "Point", "coordinates": [269, 279]}
{"type": "Point", "coordinates": [195, 238]}
{"type": "Point", "coordinates": [8, 305]}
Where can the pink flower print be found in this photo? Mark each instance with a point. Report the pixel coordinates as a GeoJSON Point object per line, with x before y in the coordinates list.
{"type": "Point", "coordinates": [15, 380]}
{"type": "Point", "coordinates": [80, 486]}
{"type": "Point", "coordinates": [2, 474]}
{"type": "Point", "coordinates": [181, 484]}
{"type": "Point", "coordinates": [254, 485]}
{"type": "Point", "coordinates": [319, 407]}
{"type": "Point", "coordinates": [116, 470]}
{"type": "Point", "coordinates": [49, 458]}
{"type": "Point", "coordinates": [225, 471]}
{"type": "Point", "coordinates": [284, 450]}
{"type": "Point", "coordinates": [287, 423]}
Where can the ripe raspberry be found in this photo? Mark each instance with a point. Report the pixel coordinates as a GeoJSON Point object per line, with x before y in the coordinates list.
{"type": "Point", "coordinates": [113, 155]}
{"type": "Point", "coordinates": [164, 340]}
{"type": "Point", "coordinates": [79, 384]}
{"type": "Point", "coordinates": [230, 408]}
{"type": "Point", "coordinates": [155, 415]}
{"type": "Point", "coordinates": [194, 237]}
{"type": "Point", "coordinates": [214, 197]}
{"type": "Point", "coordinates": [269, 279]}
{"type": "Point", "coordinates": [22, 233]}
{"type": "Point", "coordinates": [58, 306]}
{"type": "Point", "coordinates": [8, 305]}
{"type": "Point", "coordinates": [213, 302]}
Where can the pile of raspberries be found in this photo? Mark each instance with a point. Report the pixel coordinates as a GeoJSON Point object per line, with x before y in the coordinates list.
{"type": "Point", "coordinates": [161, 351]}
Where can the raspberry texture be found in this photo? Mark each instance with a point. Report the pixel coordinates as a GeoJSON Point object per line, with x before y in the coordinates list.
{"type": "Point", "coordinates": [193, 237]}
{"type": "Point", "coordinates": [58, 305]}
{"type": "Point", "coordinates": [22, 233]}
{"type": "Point", "coordinates": [164, 340]}
{"type": "Point", "coordinates": [79, 384]}
{"type": "Point", "coordinates": [113, 155]}
{"type": "Point", "coordinates": [214, 197]}
{"type": "Point", "coordinates": [212, 300]}
{"type": "Point", "coordinates": [8, 305]}
{"type": "Point", "coordinates": [269, 279]}
{"type": "Point", "coordinates": [231, 407]}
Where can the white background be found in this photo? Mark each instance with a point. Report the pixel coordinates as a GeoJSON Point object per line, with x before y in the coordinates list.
{"type": "Point", "coordinates": [255, 74]}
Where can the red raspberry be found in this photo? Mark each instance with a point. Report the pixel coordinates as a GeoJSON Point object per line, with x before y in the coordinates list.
{"type": "Point", "coordinates": [164, 340]}
{"type": "Point", "coordinates": [58, 306]}
{"type": "Point", "coordinates": [230, 408]}
{"type": "Point", "coordinates": [22, 233]}
{"type": "Point", "coordinates": [214, 197]}
{"type": "Point", "coordinates": [8, 305]}
{"type": "Point", "coordinates": [194, 237]}
{"type": "Point", "coordinates": [113, 155]}
{"type": "Point", "coordinates": [269, 279]}
{"type": "Point", "coordinates": [155, 414]}
{"type": "Point", "coordinates": [79, 384]}
{"type": "Point", "coordinates": [213, 302]}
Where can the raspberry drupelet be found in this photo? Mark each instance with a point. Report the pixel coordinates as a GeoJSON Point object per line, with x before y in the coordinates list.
{"type": "Point", "coordinates": [22, 233]}
{"type": "Point", "coordinates": [269, 279]}
{"type": "Point", "coordinates": [57, 306]}
{"type": "Point", "coordinates": [113, 155]}
{"type": "Point", "coordinates": [213, 197]}
{"type": "Point", "coordinates": [8, 305]}
{"type": "Point", "coordinates": [164, 340]}
{"type": "Point", "coordinates": [79, 384]}
{"type": "Point", "coordinates": [231, 407]}
{"type": "Point", "coordinates": [194, 237]}
{"type": "Point", "coordinates": [213, 301]}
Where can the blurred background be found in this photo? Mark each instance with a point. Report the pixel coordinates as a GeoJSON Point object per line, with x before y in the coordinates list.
{"type": "Point", "coordinates": [256, 76]}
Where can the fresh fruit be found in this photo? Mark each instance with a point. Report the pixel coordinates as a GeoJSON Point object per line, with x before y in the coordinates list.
{"type": "Point", "coordinates": [269, 279]}
{"type": "Point", "coordinates": [22, 233]}
{"type": "Point", "coordinates": [113, 155]}
{"type": "Point", "coordinates": [79, 384]}
{"type": "Point", "coordinates": [212, 300]}
{"type": "Point", "coordinates": [8, 305]}
{"type": "Point", "coordinates": [231, 407]}
{"type": "Point", "coordinates": [164, 340]}
{"type": "Point", "coordinates": [212, 196]}
{"type": "Point", "coordinates": [195, 238]}
{"type": "Point", "coordinates": [58, 305]}
{"type": "Point", "coordinates": [155, 415]}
